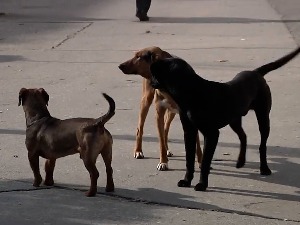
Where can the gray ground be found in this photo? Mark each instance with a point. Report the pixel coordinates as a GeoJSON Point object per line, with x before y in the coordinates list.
{"type": "Point", "coordinates": [73, 50]}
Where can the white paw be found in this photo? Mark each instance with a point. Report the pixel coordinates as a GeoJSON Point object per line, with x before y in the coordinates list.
{"type": "Point", "coordinates": [138, 155]}
{"type": "Point", "coordinates": [169, 153]}
{"type": "Point", "coordinates": [162, 166]}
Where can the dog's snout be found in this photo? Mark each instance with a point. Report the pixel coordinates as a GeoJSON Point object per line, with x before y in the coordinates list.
{"type": "Point", "coordinates": [122, 66]}
{"type": "Point", "coordinates": [126, 68]}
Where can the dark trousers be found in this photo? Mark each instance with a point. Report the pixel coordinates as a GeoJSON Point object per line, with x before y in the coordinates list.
{"type": "Point", "coordinates": [142, 6]}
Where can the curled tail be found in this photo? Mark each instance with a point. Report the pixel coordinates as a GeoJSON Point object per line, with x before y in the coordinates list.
{"type": "Point", "coordinates": [263, 70]}
{"type": "Point", "coordinates": [111, 111]}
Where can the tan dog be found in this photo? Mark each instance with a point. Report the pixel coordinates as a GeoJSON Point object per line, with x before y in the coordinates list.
{"type": "Point", "coordinates": [52, 138]}
{"type": "Point", "coordinates": [166, 108]}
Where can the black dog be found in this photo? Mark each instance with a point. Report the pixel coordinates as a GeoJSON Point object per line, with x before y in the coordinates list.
{"type": "Point", "coordinates": [208, 106]}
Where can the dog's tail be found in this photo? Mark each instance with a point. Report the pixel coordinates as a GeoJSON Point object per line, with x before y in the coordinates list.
{"type": "Point", "coordinates": [110, 113]}
{"type": "Point", "coordinates": [263, 70]}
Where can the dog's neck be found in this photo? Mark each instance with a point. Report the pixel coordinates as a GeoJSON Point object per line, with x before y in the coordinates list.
{"type": "Point", "coordinates": [35, 114]}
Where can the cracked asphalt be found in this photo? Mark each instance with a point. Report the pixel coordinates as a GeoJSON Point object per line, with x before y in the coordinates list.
{"type": "Point", "coordinates": [73, 51]}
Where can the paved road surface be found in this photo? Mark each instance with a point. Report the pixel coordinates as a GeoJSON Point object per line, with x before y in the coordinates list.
{"type": "Point", "coordinates": [289, 11]}
{"type": "Point", "coordinates": [73, 50]}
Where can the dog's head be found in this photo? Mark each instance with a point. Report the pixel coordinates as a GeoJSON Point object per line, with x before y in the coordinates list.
{"type": "Point", "coordinates": [169, 73]}
{"type": "Point", "coordinates": [140, 63]}
{"type": "Point", "coordinates": [37, 97]}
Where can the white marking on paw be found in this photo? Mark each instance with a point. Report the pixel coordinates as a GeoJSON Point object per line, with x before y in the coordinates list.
{"type": "Point", "coordinates": [169, 153]}
{"type": "Point", "coordinates": [138, 155]}
{"type": "Point", "coordinates": [162, 166]}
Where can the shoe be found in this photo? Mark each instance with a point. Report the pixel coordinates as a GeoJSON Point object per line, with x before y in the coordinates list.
{"type": "Point", "coordinates": [142, 16]}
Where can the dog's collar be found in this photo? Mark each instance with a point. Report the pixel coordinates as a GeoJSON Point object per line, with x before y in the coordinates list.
{"type": "Point", "coordinates": [36, 121]}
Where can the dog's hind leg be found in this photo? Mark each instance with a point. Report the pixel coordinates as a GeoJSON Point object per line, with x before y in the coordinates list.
{"type": "Point", "coordinates": [198, 150]}
{"type": "Point", "coordinates": [264, 129]}
{"type": "Point", "coordinates": [107, 158]}
{"type": "Point", "coordinates": [49, 168]}
{"type": "Point", "coordinates": [169, 116]}
{"type": "Point", "coordinates": [90, 165]}
{"type": "Point", "coordinates": [35, 166]}
{"type": "Point", "coordinates": [236, 126]}
{"type": "Point", "coordinates": [147, 99]}
{"type": "Point", "coordinates": [160, 114]}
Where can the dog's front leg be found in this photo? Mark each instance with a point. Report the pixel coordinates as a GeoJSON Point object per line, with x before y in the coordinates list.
{"type": "Point", "coordinates": [190, 135]}
{"type": "Point", "coordinates": [35, 166]}
{"type": "Point", "coordinates": [210, 144]}
{"type": "Point", "coordinates": [147, 99]}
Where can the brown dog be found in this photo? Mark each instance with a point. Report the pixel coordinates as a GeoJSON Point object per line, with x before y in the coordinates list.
{"type": "Point", "coordinates": [52, 138]}
{"type": "Point", "coordinates": [166, 108]}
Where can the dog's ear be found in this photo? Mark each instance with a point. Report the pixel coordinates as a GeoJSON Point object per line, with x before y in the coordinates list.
{"type": "Point", "coordinates": [22, 95]}
{"type": "Point", "coordinates": [44, 94]}
{"type": "Point", "coordinates": [165, 54]}
{"type": "Point", "coordinates": [150, 57]}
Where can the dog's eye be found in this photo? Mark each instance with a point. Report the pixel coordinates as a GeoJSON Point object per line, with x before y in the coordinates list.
{"type": "Point", "coordinates": [138, 58]}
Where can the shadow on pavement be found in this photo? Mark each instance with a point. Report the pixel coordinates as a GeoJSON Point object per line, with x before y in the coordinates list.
{"type": "Point", "coordinates": [215, 20]}
{"type": "Point", "coordinates": [66, 206]}
{"type": "Point", "coordinates": [36, 17]}
{"type": "Point", "coordinates": [11, 58]}
{"type": "Point", "coordinates": [285, 171]}
{"type": "Point", "coordinates": [12, 131]}
{"type": "Point", "coordinates": [67, 203]}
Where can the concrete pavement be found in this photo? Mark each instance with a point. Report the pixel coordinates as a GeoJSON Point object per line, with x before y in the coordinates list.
{"type": "Point", "coordinates": [289, 13]}
{"type": "Point", "coordinates": [73, 50]}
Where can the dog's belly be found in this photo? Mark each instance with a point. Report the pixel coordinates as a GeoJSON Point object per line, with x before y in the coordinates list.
{"type": "Point", "coordinates": [205, 121]}
{"type": "Point", "coordinates": [167, 102]}
{"type": "Point", "coordinates": [57, 153]}
{"type": "Point", "coordinates": [57, 144]}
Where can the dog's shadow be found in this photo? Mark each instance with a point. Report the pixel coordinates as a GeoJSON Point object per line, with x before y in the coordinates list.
{"type": "Point", "coordinates": [284, 170]}
{"type": "Point", "coordinates": [22, 204]}
{"type": "Point", "coordinates": [68, 198]}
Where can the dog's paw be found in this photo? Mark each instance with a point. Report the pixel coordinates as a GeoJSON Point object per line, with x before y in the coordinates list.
{"type": "Point", "coordinates": [169, 153]}
{"type": "Point", "coordinates": [138, 155]}
{"type": "Point", "coordinates": [184, 183]}
{"type": "Point", "coordinates": [91, 193]}
{"type": "Point", "coordinates": [240, 163]}
{"type": "Point", "coordinates": [49, 182]}
{"type": "Point", "coordinates": [265, 171]}
{"type": "Point", "coordinates": [110, 188]}
{"type": "Point", "coordinates": [37, 182]}
{"type": "Point", "coordinates": [162, 166]}
{"type": "Point", "coordinates": [200, 187]}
